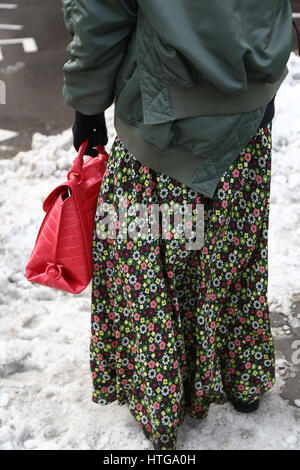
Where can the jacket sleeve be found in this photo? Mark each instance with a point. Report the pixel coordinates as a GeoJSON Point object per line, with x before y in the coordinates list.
{"type": "Point", "coordinates": [101, 30]}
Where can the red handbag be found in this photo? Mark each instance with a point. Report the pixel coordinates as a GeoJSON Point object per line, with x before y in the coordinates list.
{"type": "Point", "coordinates": [62, 255]}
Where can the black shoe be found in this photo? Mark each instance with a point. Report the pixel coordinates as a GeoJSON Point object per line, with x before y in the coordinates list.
{"type": "Point", "coordinates": [245, 407]}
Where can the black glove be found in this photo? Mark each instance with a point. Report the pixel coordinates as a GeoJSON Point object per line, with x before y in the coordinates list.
{"type": "Point", "coordinates": [92, 128]}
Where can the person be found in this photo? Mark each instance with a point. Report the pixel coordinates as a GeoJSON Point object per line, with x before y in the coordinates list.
{"type": "Point", "coordinates": [173, 328]}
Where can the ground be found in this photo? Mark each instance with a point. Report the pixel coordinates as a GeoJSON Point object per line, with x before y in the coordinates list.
{"type": "Point", "coordinates": [46, 388]}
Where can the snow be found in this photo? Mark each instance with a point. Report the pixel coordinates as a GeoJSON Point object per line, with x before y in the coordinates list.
{"type": "Point", "coordinates": [45, 395]}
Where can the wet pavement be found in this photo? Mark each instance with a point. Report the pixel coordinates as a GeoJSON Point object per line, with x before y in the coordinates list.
{"type": "Point", "coordinates": [32, 72]}
{"type": "Point", "coordinates": [286, 333]}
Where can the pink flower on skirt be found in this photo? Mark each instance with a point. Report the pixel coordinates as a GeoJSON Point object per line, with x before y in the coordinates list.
{"type": "Point", "coordinates": [236, 241]}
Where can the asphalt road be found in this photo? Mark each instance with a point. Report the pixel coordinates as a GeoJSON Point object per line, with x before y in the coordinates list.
{"type": "Point", "coordinates": [33, 79]}
{"type": "Point", "coordinates": [32, 71]}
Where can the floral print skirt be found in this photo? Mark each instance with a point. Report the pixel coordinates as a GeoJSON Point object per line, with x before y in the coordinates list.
{"type": "Point", "coordinates": [175, 329]}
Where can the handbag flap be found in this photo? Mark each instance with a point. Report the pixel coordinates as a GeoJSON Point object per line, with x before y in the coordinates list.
{"type": "Point", "coordinates": [92, 173]}
{"type": "Point", "coordinates": [62, 188]}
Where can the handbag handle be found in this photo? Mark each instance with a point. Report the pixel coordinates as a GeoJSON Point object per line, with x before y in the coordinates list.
{"type": "Point", "coordinates": [75, 172]}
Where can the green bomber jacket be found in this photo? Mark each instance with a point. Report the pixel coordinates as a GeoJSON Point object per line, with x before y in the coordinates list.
{"type": "Point", "coordinates": [190, 79]}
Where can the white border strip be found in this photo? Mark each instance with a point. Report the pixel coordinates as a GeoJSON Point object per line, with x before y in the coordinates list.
{"type": "Point", "coordinates": [8, 6]}
{"type": "Point", "coordinates": [14, 27]}
{"type": "Point", "coordinates": [29, 44]}
{"type": "Point", "coordinates": [5, 135]}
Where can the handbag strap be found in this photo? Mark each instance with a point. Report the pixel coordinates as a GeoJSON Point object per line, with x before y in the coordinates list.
{"type": "Point", "coordinates": [77, 166]}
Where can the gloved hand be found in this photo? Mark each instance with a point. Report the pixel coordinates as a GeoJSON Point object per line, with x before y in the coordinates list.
{"type": "Point", "coordinates": [92, 128]}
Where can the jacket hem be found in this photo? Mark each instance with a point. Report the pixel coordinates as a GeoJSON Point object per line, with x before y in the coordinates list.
{"type": "Point", "coordinates": [206, 100]}
{"type": "Point", "coordinates": [170, 162]}
{"type": "Point", "coordinates": [201, 174]}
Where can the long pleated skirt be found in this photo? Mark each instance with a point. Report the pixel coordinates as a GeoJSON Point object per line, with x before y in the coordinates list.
{"type": "Point", "coordinates": [175, 329]}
